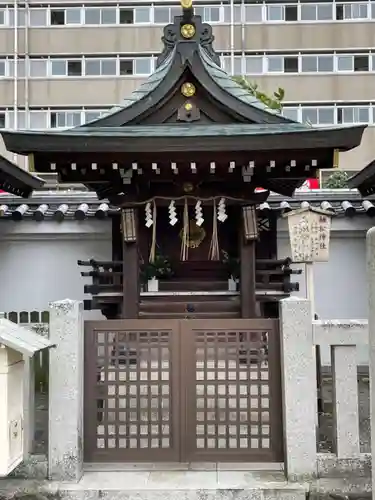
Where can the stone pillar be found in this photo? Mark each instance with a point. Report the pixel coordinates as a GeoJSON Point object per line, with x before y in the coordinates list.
{"type": "Point", "coordinates": [65, 447]}
{"type": "Point", "coordinates": [345, 401]}
{"type": "Point", "coordinates": [298, 374]}
{"type": "Point", "coordinates": [370, 257]}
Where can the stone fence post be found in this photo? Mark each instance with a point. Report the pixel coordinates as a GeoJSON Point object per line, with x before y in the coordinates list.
{"type": "Point", "coordinates": [298, 374]}
{"type": "Point", "coordinates": [370, 257]}
{"type": "Point", "coordinates": [65, 448]}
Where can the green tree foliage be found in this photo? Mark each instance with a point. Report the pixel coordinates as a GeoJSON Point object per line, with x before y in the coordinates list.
{"type": "Point", "coordinates": [337, 180]}
{"type": "Point", "coordinates": [274, 101]}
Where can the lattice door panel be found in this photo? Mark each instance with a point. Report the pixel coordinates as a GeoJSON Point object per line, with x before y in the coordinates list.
{"type": "Point", "coordinates": [132, 414]}
{"type": "Point", "coordinates": [233, 390]}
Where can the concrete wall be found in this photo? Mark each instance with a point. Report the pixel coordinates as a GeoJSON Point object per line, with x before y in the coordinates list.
{"type": "Point", "coordinates": [40, 267]}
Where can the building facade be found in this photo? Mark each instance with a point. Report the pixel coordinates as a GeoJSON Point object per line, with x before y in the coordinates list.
{"type": "Point", "coordinates": [63, 64]}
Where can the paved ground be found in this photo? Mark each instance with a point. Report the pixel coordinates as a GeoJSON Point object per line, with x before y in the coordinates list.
{"type": "Point", "coordinates": [41, 434]}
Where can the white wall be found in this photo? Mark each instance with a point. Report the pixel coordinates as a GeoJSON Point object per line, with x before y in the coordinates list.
{"type": "Point", "coordinates": [38, 261]}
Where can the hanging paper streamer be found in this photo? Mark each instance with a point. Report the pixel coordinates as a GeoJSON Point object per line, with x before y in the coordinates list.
{"type": "Point", "coordinates": [214, 253]}
{"type": "Point", "coordinates": [199, 213]}
{"type": "Point", "coordinates": [185, 234]}
{"type": "Point", "coordinates": [153, 242]}
{"type": "Point", "coordinates": [221, 211]}
{"type": "Point", "coordinates": [172, 213]}
{"type": "Point", "coordinates": [148, 215]}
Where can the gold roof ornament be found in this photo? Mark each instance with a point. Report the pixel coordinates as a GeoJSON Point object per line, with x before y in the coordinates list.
{"type": "Point", "coordinates": [186, 4]}
{"type": "Point", "coordinates": [188, 30]}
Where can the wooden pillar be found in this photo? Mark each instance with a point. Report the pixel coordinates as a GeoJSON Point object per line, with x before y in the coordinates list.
{"type": "Point", "coordinates": [116, 238]}
{"type": "Point", "coordinates": [130, 278]}
{"type": "Point", "coordinates": [130, 265]}
{"type": "Point", "coordinates": [248, 236]}
{"type": "Point", "coordinates": [247, 281]}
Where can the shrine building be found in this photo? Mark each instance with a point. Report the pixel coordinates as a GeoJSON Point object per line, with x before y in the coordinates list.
{"type": "Point", "coordinates": [192, 291]}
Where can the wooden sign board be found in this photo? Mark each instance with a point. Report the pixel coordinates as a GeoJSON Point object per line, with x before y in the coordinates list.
{"type": "Point", "coordinates": [309, 232]}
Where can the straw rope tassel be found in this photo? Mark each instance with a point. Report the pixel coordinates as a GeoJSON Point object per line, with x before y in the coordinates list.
{"type": "Point", "coordinates": [153, 243]}
{"type": "Point", "coordinates": [185, 236]}
{"type": "Point", "coordinates": [214, 253]}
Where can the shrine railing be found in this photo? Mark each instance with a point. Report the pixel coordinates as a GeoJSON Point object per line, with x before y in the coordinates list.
{"type": "Point", "coordinates": [273, 280]}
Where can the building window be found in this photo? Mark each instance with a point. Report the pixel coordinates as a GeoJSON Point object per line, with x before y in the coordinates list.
{"type": "Point", "coordinates": [318, 116]}
{"type": "Point", "coordinates": [275, 13]}
{"type": "Point", "coordinates": [275, 64]}
{"type": "Point", "coordinates": [58, 17]}
{"type": "Point", "coordinates": [97, 16]}
{"type": "Point", "coordinates": [126, 67]}
{"type": "Point", "coordinates": [291, 113]}
{"type": "Point", "coordinates": [2, 120]}
{"type": "Point", "coordinates": [38, 68]}
{"type": "Point", "coordinates": [291, 64]}
{"type": "Point", "coordinates": [74, 68]}
{"type": "Point", "coordinates": [100, 67]}
{"type": "Point", "coordinates": [317, 12]}
{"type": "Point", "coordinates": [361, 63]}
{"type": "Point", "coordinates": [63, 119]}
{"type": "Point", "coordinates": [91, 115]}
{"type": "Point", "coordinates": [209, 14]}
{"type": "Point", "coordinates": [61, 67]}
{"type": "Point", "coordinates": [38, 119]}
{"type": "Point", "coordinates": [162, 15]}
{"type": "Point", "coordinates": [237, 14]}
{"type": "Point", "coordinates": [291, 12]}
{"type": "Point", "coordinates": [20, 68]}
{"type": "Point", "coordinates": [21, 17]}
{"type": "Point", "coordinates": [2, 68]}
{"type": "Point", "coordinates": [253, 13]}
{"type": "Point", "coordinates": [348, 115]}
{"type": "Point", "coordinates": [126, 16]}
{"type": "Point", "coordinates": [38, 17]}
{"type": "Point", "coordinates": [142, 15]}
{"type": "Point", "coordinates": [345, 63]}
{"type": "Point", "coordinates": [313, 64]}
{"type": "Point", "coordinates": [253, 65]}
{"type": "Point", "coordinates": [142, 66]}
{"type": "Point", "coordinates": [237, 64]}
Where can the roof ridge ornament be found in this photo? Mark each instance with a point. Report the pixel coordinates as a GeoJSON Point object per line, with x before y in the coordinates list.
{"type": "Point", "coordinates": [187, 28]}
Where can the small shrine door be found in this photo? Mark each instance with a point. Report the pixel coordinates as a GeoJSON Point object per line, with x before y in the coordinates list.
{"type": "Point", "coordinates": [197, 262]}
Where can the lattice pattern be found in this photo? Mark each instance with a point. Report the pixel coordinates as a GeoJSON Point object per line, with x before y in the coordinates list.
{"type": "Point", "coordinates": [232, 390]}
{"type": "Point", "coordinates": [133, 391]}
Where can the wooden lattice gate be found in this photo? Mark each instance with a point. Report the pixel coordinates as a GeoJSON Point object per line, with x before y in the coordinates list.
{"type": "Point", "coordinates": [189, 390]}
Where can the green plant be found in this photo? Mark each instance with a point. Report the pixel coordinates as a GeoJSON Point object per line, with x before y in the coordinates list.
{"type": "Point", "coordinates": [337, 180]}
{"type": "Point", "coordinates": [273, 101]}
{"type": "Point", "coordinates": [232, 264]}
{"type": "Point", "coordinates": [161, 268]}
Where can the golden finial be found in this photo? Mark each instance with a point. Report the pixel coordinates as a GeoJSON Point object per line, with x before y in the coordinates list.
{"type": "Point", "coordinates": [186, 4]}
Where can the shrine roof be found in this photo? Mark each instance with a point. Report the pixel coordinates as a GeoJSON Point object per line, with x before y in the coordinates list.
{"type": "Point", "coordinates": [364, 180]}
{"type": "Point", "coordinates": [177, 137]}
{"type": "Point", "coordinates": [16, 180]}
{"type": "Point", "coordinates": [141, 92]}
{"type": "Point", "coordinates": [343, 202]}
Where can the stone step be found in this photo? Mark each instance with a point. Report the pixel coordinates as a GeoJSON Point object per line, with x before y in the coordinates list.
{"type": "Point", "coordinates": [190, 297]}
{"type": "Point", "coordinates": [186, 306]}
{"type": "Point", "coordinates": [184, 484]}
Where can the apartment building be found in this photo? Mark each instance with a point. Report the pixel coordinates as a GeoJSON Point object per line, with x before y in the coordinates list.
{"type": "Point", "coordinates": [63, 63]}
